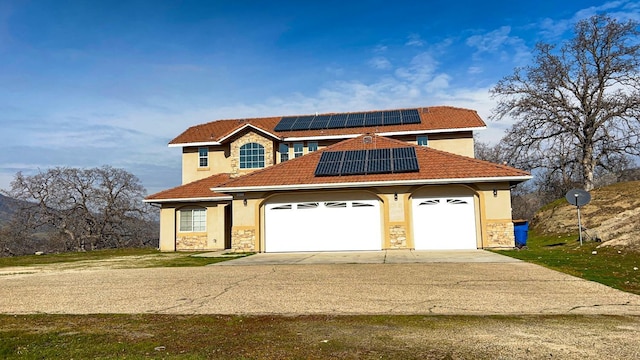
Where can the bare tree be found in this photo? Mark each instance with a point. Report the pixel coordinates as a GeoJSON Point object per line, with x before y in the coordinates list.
{"type": "Point", "coordinates": [82, 209]}
{"type": "Point", "coordinates": [578, 106]}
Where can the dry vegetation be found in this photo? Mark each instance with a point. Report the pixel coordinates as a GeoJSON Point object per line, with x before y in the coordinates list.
{"type": "Point", "coordinates": [612, 216]}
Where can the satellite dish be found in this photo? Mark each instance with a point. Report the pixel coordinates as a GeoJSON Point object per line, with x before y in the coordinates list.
{"type": "Point", "coordinates": [578, 197]}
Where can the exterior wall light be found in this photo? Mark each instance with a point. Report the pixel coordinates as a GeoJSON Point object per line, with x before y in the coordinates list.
{"type": "Point", "coordinates": [495, 192]}
{"type": "Point", "coordinates": [395, 196]}
{"type": "Point", "coordinates": [244, 201]}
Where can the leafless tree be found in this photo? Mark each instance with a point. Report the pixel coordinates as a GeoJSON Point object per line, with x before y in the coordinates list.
{"type": "Point", "coordinates": [577, 106]}
{"type": "Point", "coordinates": [82, 209]}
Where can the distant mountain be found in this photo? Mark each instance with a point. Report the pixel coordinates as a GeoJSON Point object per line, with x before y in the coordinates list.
{"type": "Point", "coordinates": [7, 206]}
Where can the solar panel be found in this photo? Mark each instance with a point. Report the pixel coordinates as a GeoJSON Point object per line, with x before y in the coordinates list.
{"type": "Point", "coordinates": [410, 116]}
{"type": "Point", "coordinates": [355, 120]}
{"type": "Point", "coordinates": [285, 123]}
{"type": "Point", "coordinates": [404, 160]}
{"type": "Point", "coordinates": [319, 122]}
{"type": "Point", "coordinates": [373, 119]}
{"type": "Point", "coordinates": [337, 121]}
{"type": "Point", "coordinates": [373, 161]}
{"type": "Point", "coordinates": [352, 120]}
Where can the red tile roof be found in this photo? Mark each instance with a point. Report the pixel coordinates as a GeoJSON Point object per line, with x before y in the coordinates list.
{"type": "Point", "coordinates": [200, 189]}
{"type": "Point", "coordinates": [434, 165]}
{"type": "Point", "coordinates": [432, 118]}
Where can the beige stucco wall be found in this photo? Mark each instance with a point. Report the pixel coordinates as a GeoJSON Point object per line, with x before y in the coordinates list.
{"type": "Point", "coordinates": [171, 239]}
{"type": "Point", "coordinates": [219, 162]}
{"type": "Point", "coordinates": [460, 143]}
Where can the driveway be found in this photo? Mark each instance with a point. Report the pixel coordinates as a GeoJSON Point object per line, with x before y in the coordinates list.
{"type": "Point", "coordinates": [369, 257]}
{"type": "Point", "coordinates": [488, 284]}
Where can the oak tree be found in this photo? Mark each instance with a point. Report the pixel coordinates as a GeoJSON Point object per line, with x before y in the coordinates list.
{"type": "Point", "coordinates": [577, 106]}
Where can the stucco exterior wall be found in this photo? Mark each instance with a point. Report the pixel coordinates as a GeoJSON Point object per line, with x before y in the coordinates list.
{"type": "Point", "coordinates": [498, 225]}
{"type": "Point", "coordinates": [172, 239]}
{"type": "Point", "coordinates": [168, 228]}
{"type": "Point", "coordinates": [219, 163]}
{"type": "Point", "coordinates": [460, 143]}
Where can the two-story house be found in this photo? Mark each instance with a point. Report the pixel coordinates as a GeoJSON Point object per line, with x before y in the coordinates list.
{"type": "Point", "coordinates": [372, 180]}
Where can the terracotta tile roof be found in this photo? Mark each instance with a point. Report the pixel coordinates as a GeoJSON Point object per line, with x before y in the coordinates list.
{"type": "Point", "coordinates": [432, 118]}
{"type": "Point", "coordinates": [200, 189]}
{"type": "Point", "coordinates": [434, 165]}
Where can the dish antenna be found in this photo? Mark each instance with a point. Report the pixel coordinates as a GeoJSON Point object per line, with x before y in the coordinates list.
{"type": "Point", "coordinates": [578, 197]}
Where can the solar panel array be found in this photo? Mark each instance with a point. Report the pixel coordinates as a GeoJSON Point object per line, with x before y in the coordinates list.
{"type": "Point", "coordinates": [363, 162]}
{"type": "Point", "coordinates": [352, 120]}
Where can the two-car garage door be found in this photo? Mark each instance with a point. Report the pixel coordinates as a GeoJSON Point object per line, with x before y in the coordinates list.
{"type": "Point", "coordinates": [323, 226]}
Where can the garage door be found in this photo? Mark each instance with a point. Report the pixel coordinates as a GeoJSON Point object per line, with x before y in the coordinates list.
{"type": "Point", "coordinates": [444, 223]}
{"type": "Point", "coordinates": [323, 226]}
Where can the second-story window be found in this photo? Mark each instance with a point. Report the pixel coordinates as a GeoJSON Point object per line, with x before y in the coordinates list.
{"type": "Point", "coordinates": [284, 152]}
{"type": "Point", "coordinates": [298, 149]}
{"type": "Point", "coordinates": [312, 146]}
{"type": "Point", "coordinates": [203, 157]}
{"type": "Point", "coordinates": [422, 140]}
{"type": "Point", "coordinates": [251, 156]}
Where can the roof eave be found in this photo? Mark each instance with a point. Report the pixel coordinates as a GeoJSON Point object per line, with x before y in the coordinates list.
{"type": "Point", "coordinates": [511, 179]}
{"type": "Point", "coordinates": [217, 198]}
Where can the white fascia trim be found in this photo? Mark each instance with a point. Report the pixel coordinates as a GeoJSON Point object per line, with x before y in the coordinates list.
{"type": "Point", "coordinates": [244, 127]}
{"type": "Point", "coordinates": [217, 198]}
{"type": "Point", "coordinates": [205, 143]}
{"type": "Point", "coordinates": [391, 133]}
{"type": "Point", "coordinates": [371, 183]}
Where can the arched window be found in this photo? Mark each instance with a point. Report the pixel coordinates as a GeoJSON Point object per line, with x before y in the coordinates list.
{"type": "Point", "coordinates": [251, 156]}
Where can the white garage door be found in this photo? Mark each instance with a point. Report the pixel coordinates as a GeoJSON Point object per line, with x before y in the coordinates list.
{"type": "Point", "coordinates": [323, 226]}
{"type": "Point", "coordinates": [444, 223]}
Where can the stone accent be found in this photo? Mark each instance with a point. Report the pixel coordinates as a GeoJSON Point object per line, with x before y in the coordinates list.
{"type": "Point", "coordinates": [191, 242]}
{"type": "Point", "coordinates": [243, 240]}
{"type": "Point", "coordinates": [500, 234]}
{"type": "Point", "coordinates": [249, 137]}
{"type": "Point", "coordinates": [398, 237]}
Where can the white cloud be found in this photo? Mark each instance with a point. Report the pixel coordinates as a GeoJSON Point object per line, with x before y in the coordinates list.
{"type": "Point", "coordinates": [414, 40]}
{"type": "Point", "coordinates": [380, 62]}
{"type": "Point", "coordinates": [499, 43]}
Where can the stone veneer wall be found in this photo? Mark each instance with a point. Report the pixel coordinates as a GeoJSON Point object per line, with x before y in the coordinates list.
{"type": "Point", "coordinates": [398, 237]}
{"type": "Point", "coordinates": [500, 234]}
{"type": "Point", "coordinates": [249, 137]}
{"type": "Point", "coordinates": [243, 240]}
{"type": "Point", "coordinates": [191, 242]}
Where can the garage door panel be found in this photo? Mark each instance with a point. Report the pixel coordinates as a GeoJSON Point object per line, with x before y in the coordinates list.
{"type": "Point", "coordinates": [444, 223]}
{"type": "Point", "coordinates": [323, 226]}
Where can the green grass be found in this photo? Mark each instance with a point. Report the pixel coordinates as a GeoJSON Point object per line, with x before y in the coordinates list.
{"type": "Point", "coordinates": [148, 336]}
{"type": "Point", "coordinates": [150, 258]}
{"type": "Point", "coordinates": [610, 266]}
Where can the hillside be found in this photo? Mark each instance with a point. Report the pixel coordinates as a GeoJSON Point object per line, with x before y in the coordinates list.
{"type": "Point", "coordinates": [6, 208]}
{"type": "Point", "coordinates": [613, 216]}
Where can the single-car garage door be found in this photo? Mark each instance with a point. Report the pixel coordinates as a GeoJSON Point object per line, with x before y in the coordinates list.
{"type": "Point", "coordinates": [444, 223]}
{"type": "Point", "coordinates": [323, 226]}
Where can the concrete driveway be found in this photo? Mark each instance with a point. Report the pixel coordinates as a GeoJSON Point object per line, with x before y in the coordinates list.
{"type": "Point", "coordinates": [429, 286]}
{"type": "Point", "coordinates": [369, 257]}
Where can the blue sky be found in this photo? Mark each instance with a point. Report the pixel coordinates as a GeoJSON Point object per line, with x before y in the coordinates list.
{"type": "Point", "coordinates": [87, 83]}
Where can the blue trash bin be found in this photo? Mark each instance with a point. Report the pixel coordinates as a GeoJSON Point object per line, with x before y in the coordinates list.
{"type": "Point", "coordinates": [521, 232]}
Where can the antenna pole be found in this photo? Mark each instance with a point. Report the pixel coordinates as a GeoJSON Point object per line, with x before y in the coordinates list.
{"type": "Point", "coordinates": [579, 220]}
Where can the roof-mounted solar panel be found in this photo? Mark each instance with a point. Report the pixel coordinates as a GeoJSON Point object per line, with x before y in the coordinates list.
{"type": "Point", "coordinates": [362, 162]}
{"type": "Point", "coordinates": [349, 120]}
{"type": "Point", "coordinates": [404, 160]}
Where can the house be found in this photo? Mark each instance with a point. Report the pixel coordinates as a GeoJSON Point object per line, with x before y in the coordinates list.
{"type": "Point", "coordinates": [392, 179]}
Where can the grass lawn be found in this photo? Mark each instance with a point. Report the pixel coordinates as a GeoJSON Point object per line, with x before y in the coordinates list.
{"type": "Point", "coordinates": [129, 258]}
{"type": "Point", "coordinates": [148, 336]}
{"type": "Point", "coordinates": [619, 269]}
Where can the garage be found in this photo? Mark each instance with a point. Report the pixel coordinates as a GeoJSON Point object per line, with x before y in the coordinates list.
{"type": "Point", "coordinates": [444, 223]}
{"type": "Point", "coordinates": [323, 226]}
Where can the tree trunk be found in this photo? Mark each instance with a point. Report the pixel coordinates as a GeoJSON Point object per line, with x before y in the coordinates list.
{"type": "Point", "coordinates": [588, 166]}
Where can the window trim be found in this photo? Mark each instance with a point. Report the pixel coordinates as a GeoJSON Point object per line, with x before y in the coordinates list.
{"type": "Point", "coordinates": [200, 220]}
{"type": "Point", "coordinates": [298, 146]}
{"type": "Point", "coordinates": [251, 160]}
{"type": "Point", "coordinates": [284, 156]}
{"type": "Point", "coordinates": [202, 157]}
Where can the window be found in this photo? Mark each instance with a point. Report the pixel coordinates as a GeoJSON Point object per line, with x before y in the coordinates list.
{"type": "Point", "coordinates": [193, 220]}
{"type": "Point", "coordinates": [203, 157]}
{"type": "Point", "coordinates": [298, 149]}
{"type": "Point", "coordinates": [312, 146]}
{"type": "Point", "coordinates": [251, 156]}
{"type": "Point", "coordinates": [284, 152]}
{"type": "Point", "coordinates": [422, 140]}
